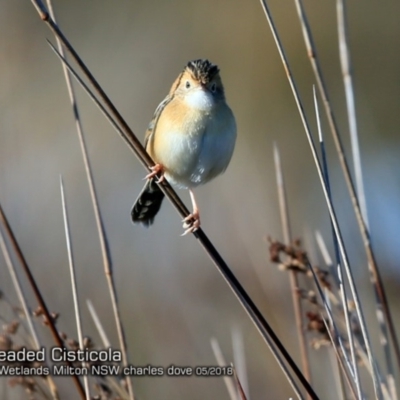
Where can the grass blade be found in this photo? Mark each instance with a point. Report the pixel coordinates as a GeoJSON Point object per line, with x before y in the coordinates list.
{"type": "Point", "coordinates": [106, 257]}
{"type": "Point", "coordinates": [384, 315]}
{"type": "Point", "coordinates": [342, 287]}
{"type": "Point", "coordinates": [222, 363]}
{"type": "Point", "coordinates": [42, 304]}
{"type": "Point", "coordinates": [71, 263]}
{"type": "Point", "coordinates": [293, 276]}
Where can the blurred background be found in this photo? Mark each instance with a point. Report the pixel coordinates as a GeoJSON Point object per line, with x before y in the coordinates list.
{"type": "Point", "coordinates": [173, 300]}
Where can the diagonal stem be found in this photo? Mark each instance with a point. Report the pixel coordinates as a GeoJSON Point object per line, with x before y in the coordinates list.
{"type": "Point", "coordinates": [38, 295]}
{"type": "Point", "coordinates": [106, 256]}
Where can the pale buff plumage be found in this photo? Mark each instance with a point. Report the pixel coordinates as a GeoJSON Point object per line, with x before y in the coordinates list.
{"type": "Point", "coordinates": [191, 138]}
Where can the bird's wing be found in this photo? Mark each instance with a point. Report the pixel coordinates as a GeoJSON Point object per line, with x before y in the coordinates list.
{"type": "Point", "coordinates": [153, 123]}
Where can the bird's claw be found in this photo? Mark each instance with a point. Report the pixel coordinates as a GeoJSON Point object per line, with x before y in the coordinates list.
{"type": "Point", "coordinates": [155, 169]}
{"type": "Point", "coordinates": [191, 223]}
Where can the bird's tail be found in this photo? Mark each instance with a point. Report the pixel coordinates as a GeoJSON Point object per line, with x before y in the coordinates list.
{"type": "Point", "coordinates": [147, 204]}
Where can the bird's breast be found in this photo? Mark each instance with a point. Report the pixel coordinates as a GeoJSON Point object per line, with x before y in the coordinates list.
{"type": "Point", "coordinates": [192, 144]}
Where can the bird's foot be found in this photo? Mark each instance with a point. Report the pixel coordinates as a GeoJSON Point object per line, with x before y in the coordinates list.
{"type": "Point", "coordinates": [156, 169]}
{"type": "Point", "coordinates": [191, 223]}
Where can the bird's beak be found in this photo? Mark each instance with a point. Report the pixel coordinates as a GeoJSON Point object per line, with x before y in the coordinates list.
{"type": "Point", "coordinates": [204, 87]}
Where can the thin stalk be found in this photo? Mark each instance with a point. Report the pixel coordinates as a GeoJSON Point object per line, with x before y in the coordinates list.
{"type": "Point", "coordinates": [345, 61]}
{"type": "Point", "coordinates": [239, 358]}
{"type": "Point", "coordinates": [48, 318]}
{"type": "Point", "coordinates": [337, 303]}
{"type": "Point", "coordinates": [327, 198]}
{"type": "Point", "coordinates": [106, 344]}
{"type": "Point", "coordinates": [342, 287]}
{"type": "Point", "coordinates": [293, 275]}
{"type": "Point", "coordinates": [382, 305]}
{"type": "Point", "coordinates": [19, 290]}
{"type": "Point", "coordinates": [22, 298]}
{"type": "Point", "coordinates": [347, 268]}
{"type": "Point", "coordinates": [325, 255]}
{"type": "Point", "coordinates": [242, 394]}
{"type": "Point", "coordinates": [359, 349]}
{"type": "Point", "coordinates": [325, 168]}
{"type": "Point", "coordinates": [341, 363]}
{"type": "Point", "coordinates": [336, 366]}
{"type": "Point", "coordinates": [106, 257]}
{"type": "Point", "coordinates": [71, 262]}
{"type": "Point", "coordinates": [109, 277]}
{"type": "Point", "coordinates": [230, 387]}
{"type": "Point", "coordinates": [364, 361]}
{"type": "Point", "coordinates": [257, 318]}
{"type": "Point", "coordinates": [99, 326]}
{"type": "Point", "coordinates": [332, 327]}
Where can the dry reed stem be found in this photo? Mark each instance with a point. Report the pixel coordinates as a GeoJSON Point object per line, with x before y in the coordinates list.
{"type": "Point", "coordinates": [327, 198]}
{"type": "Point", "coordinates": [376, 280]}
{"type": "Point", "coordinates": [75, 296]}
{"type": "Point", "coordinates": [98, 324]}
{"type": "Point", "coordinates": [359, 348]}
{"type": "Point", "coordinates": [242, 394]}
{"type": "Point", "coordinates": [342, 354]}
{"type": "Point", "coordinates": [239, 358]}
{"type": "Point", "coordinates": [19, 290]}
{"type": "Point", "coordinates": [345, 61]}
{"type": "Point", "coordinates": [342, 287]}
{"type": "Point", "coordinates": [347, 269]}
{"type": "Point", "coordinates": [230, 387]}
{"type": "Point", "coordinates": [22, 298]}
{"type": "Point", "coordinates": [340, 357]}
{"type": "Point", "coordinates": [43, 307]}
{"type": "Point", "coordinates": [293, 275]}
{"type": "Point", "coordinates": [106, 257]}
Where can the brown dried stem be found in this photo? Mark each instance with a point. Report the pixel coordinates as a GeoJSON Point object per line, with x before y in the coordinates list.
{"type": "Point", "coordinates": [331, 209]}
{"type": "Point", "coordinates": [42, 304]}
{"type": "Point", "coordinates": [382, 304]}
{"type": "Point", "coordinates": [78, 318]}
{"type": "Point", "coordinates": [106, 257]}
{"type": "Point", "coordinates": [293, 275]}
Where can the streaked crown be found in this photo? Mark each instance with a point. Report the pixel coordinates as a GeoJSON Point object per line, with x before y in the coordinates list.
{"type": "Point", "coordinates": [202, 70]}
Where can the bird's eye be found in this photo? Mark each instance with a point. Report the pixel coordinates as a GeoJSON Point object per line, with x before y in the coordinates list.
{"type": "Point", "coordinates": [187, 84]}
{"type": "Point", "coordinates": [213, 87]}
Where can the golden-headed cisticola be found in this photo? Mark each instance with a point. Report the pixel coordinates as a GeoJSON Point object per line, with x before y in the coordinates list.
{"type": "Point", "coordinates": [190, 138]}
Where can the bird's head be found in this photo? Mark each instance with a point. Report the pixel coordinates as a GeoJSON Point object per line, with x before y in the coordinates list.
{"type": "Point", "coordinates": [200, 85]}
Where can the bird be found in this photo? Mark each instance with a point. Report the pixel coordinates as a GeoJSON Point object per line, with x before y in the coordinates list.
{"type": "Point", "coordinates": [191, 139]}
